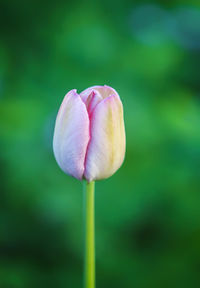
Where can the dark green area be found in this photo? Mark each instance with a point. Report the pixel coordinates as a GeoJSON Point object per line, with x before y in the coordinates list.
{"type": "Point", "coordinates": [148, 213]}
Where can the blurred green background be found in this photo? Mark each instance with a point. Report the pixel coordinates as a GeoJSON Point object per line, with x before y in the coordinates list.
{"type": "Point", "coordinates": [148, 213]}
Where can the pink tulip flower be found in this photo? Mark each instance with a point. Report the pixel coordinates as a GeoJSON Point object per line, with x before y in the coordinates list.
{"type": "Point", "coordinates": [89, 135]}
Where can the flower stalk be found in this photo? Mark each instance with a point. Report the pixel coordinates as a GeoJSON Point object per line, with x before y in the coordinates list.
{"type": "Point", "coordinates": [89, 221]}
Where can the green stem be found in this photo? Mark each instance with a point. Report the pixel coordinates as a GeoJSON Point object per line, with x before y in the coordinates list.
{"type": "Point", "coordinates": [89, 269]}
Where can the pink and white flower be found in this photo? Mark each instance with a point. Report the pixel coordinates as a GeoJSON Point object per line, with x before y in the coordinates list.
{"type": "Point", "coordinates": [89, 135]}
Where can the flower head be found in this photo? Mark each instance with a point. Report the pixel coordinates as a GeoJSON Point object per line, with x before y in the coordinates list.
{"type": "Point", "coordinates": [89, 135]}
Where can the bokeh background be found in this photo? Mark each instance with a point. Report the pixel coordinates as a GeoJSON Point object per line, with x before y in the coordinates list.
{"type": "Point", "coordinates": [148, 213]}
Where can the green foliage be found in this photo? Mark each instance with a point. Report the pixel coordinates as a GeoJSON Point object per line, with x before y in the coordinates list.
{"type": "Point", "coordinates": [147, 215]}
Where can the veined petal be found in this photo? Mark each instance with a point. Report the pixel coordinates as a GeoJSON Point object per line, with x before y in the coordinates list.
{"type": "Point", "coordinates": [71, 135]}
{"type": "Point", "coordinates": [106, 149]}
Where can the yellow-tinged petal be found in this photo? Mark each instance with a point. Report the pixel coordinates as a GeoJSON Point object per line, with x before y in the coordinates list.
{"type": "Point", "coordinates": [106, 148]}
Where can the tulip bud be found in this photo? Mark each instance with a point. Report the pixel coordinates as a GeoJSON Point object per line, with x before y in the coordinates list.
{"type": "Point", "coordinates": [89, 135]}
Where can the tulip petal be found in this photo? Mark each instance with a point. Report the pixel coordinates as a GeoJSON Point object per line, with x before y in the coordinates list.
{"type": "Point", "coordinates": [71, 135]}
{"type": "Point", "coordinates": [86, 94]}
{"type": "Point", "coordinates": [93, 99]}
{"type": "Point", "coordinates": [106, 148]}
{"type": "Point", "coordinates": [105, 91]}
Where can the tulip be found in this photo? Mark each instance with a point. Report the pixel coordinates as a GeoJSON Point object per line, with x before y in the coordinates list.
{"type": "Point", "coordinates": [89, 136]}
{"type": "Point", "coordinates": [89, 143]}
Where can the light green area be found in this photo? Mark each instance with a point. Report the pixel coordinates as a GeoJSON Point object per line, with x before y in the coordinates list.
{"type": "Point", "coordinates": [148, 213]}
{"type": "Point", "coordinates": [89, 206]}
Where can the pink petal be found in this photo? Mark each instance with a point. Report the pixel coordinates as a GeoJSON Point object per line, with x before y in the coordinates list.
{"type": "Point", "coordinates": [106, 148]}
{"type": "Point", "coordinates": [93, 99]}
{"type": "Point", "coordinates": [104, 91]}
{"type": "Point", "coordinates": [87, 93]}
{"type": "Point", "coordinates": [71, 135]}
